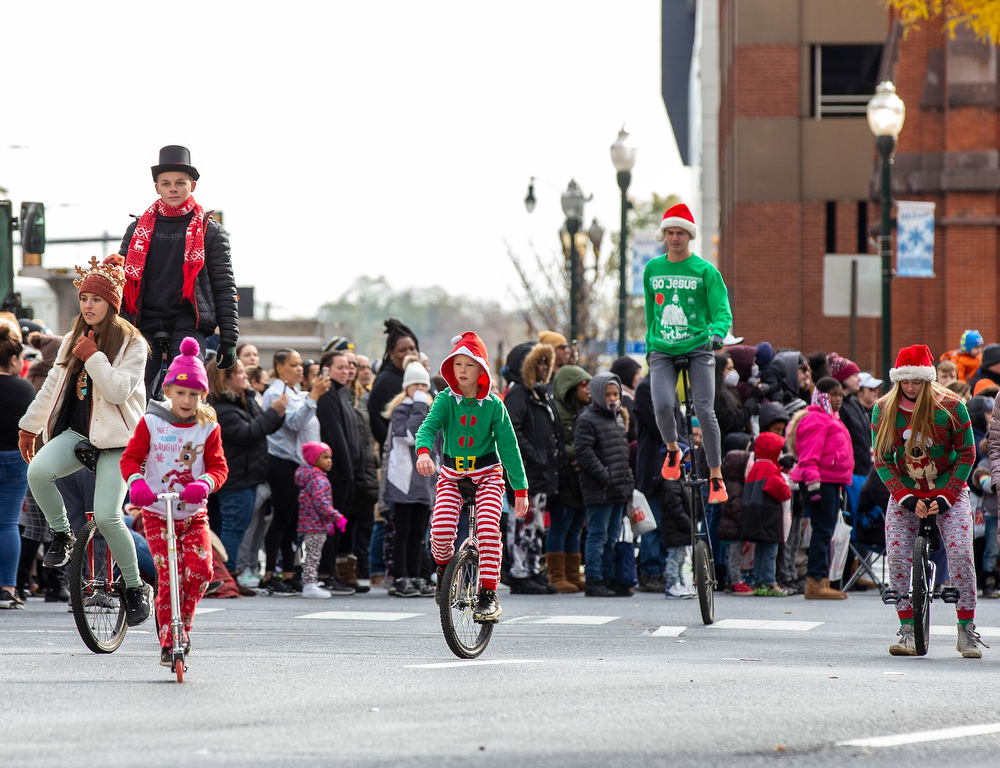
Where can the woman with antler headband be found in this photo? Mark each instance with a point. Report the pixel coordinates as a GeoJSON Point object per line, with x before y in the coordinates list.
{"type": "Point", "coordinates": [95, 392]}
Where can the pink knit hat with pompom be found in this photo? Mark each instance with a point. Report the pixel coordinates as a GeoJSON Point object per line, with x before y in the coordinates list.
{"type": "Point", "coordinates": [187, 369]}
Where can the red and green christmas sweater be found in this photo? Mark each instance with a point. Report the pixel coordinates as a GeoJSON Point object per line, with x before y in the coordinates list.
{"type": "Point", "coordinates": [941, 462]}
{"type": "Point", "coordinates": [473, 429]}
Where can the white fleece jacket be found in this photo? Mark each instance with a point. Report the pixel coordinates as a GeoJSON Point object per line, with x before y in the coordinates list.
{"type": "Point", "coordinates": [119, 395]}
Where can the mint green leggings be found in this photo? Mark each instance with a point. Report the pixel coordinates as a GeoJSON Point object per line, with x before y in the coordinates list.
{"type": "Point", "coordinates": [56, 459]}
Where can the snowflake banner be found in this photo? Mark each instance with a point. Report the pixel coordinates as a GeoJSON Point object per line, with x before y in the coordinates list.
{"type": "Point", "coordinates": [914, 239]}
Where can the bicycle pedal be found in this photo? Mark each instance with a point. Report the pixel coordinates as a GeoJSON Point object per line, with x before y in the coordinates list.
{"type": "Point", "coordinates": [891, 597]}
{"type": "Point", "coordinates": [949, 594]}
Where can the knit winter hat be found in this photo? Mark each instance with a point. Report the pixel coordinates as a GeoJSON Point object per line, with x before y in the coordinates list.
{"type": "Point", "coordinates": [415, 373]}
{"type": "Point", "coordinates": [312, 450]}
{"type": "Point", "coordinates": [678, 216]}
{"type": "Point", "coordinates": [471, 345]}
{"type": "Point", "coordinates": [991, 356]}
{"type": "Point", "coordinates": [840, 367]}
{"type": "Point", "coordinates": [971, 340]}
{"type": "Point", "coordinates": [107, 279]}
{"type": "Point", "coordinates": [553, 338]}
{"type": "Point", "coordinates": [339, 343]}
{"type": "Point", "coordinates": [187, 369]}
{"type": "Point", "coordinates": [914, 363]}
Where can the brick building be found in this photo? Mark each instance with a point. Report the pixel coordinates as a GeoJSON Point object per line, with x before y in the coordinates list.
{"type": "Point", "coordinates": [798, 172]}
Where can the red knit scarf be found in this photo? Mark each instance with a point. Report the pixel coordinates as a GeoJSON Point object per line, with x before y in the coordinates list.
{"type": "Point", "coordinates": [194, 249]}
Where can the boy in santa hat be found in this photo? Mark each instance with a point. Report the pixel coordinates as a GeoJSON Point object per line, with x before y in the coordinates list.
{"type": "Point", "coordinates": [687, 314]}
{"type": "Point", "coordinates": [479, 443]}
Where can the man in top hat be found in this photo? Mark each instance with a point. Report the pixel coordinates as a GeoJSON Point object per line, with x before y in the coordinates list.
{"type": "Point", "coordinates": [178, 270]}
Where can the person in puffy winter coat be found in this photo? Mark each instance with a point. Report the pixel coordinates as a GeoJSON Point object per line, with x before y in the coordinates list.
{"type": "Point", "coordinates": [533, 415]}
{"type": "Point", "coordinates": [825, 466]}
{"type": "Point", "coordinates": [761, 520]}
{"type": "Point", "coordinates": [605, 479]}
{"type": "Point", "coordinates": [317, 517]}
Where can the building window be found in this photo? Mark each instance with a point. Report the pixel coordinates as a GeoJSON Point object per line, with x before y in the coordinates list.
{"type": "Point", "coordinates": [843, 79]}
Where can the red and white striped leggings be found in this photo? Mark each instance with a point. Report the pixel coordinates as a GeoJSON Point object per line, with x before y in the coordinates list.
{"type": "Point", "coordinates": [448, 506]}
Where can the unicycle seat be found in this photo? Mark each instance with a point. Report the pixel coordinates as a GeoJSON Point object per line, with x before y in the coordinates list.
{"type": "Point", "coordinates": [681, 362]}
{"type": "Point", "coordinates": [468, 490]}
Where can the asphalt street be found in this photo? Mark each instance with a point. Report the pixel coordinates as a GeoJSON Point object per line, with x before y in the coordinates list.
{"type": "Point", "coordinates": [566, 681]}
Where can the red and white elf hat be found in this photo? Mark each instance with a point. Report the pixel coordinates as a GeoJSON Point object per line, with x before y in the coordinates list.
{"type": "Point", "coordinates": [471, 345]}
{"type": "Point", "coordinates": [678, 216]}
{"type": "Point", "coordinates": [914, 363]}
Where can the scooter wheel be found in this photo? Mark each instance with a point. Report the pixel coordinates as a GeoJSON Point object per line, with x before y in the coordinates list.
{"type": "Point", "coordinates": [179, 669]}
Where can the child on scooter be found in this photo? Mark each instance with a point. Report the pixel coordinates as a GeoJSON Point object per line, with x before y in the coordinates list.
{"type": "Point", "coordinates": [317, 517]}
{"type": "Point", "coordinates": [181, 444]}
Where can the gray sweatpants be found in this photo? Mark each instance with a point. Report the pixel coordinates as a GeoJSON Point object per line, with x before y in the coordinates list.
{"type": "Point", "coordinates": [663, 385]}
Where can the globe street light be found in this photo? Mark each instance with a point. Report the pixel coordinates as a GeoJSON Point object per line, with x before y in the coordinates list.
{"type": "Point", "coordinates": [623, 158]}
{"type": "Point", "coordinates": [886, 113]}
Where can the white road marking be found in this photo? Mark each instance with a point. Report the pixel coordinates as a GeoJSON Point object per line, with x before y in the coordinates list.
{"type": "Point", "coordinates": [472, 663]}
{"type": "Point", "coordinates": [358, 616]}
{"type": "Point", "coordinates": [539, 619]}
{"type": "Point", "coordinates": [786, 626]}
{"type": "Point", "coordinates": [951, 629]}
{"type": "Point", "coordinates": [667, 632]}
{"type": "Point", "coordinates": [921, 737]}
{"type": "Point", "coordinates": [198, 611]}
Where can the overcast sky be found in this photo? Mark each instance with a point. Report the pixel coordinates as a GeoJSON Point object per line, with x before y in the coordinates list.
{"type": "Point", "coordinates": [339, 138]}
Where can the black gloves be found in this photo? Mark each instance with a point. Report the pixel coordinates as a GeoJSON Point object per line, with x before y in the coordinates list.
{"type": "Point", "coordinates": [943, 505]}
{"type": "Point", "coordinates": [715, 344]}
{"type": "Point", "coordinates": [225, 357]}
{"type": "Point", "coordinates": [910, 503]}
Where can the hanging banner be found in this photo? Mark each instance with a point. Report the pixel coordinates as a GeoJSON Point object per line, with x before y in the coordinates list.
{"type": "Point", "coordinates": [645, 247]}
{"type": "Point", "coordinates": [914, 239]}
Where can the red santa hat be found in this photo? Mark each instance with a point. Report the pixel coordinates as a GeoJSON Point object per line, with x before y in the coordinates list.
{"type": "Point", "coordinates": [471, 345]}
{"type": "Point", "coordinates": [913, 363]}
{"type": "Point", "coordinates": [678, 216]}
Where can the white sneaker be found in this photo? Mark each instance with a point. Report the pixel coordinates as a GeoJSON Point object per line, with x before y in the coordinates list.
{"type": "Point", "coordinates": [314, 591]}
{"type": "Point", "coordinates": [249, 579]}
{"type": "Point", "coordinates": [690, 590]}
{"type": "Point", "coordinates": [678, 592]}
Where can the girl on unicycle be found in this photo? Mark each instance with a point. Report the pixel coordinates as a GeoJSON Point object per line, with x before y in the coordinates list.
{"type": "Point", "coordinates": [181, 445]}
{"type": "Point", "coordinates": [94, 393]}
{"type": "Point", "coordinates": [924, 449]}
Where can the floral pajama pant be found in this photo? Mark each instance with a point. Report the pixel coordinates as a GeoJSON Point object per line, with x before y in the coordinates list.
{"type": "Point", "coordinates": [525, 537]}
{"type": "Point", "coordinates": [956, 528]}
{"type": "Point", "coordinates": [194, 566]}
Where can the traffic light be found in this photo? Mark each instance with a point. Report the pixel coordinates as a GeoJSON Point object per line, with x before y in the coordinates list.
{"type": "Point", "coordinates": [32, 226]}
{"type": "Point", "coordinates": [6, 254]}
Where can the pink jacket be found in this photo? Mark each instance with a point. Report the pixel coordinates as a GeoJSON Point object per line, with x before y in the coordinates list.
{"type": "Point", "coordinates": [824, 450]}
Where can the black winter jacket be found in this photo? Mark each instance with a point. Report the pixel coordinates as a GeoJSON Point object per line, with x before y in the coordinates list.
{"type": "Point", "coordinates": [215, 287]}
{"type": "Point", "coordinates": [734, 467]}
{"type": "Point", "coordinates": [386, 386]}
{"type": "Point", "coordinates": [533, 415]}
{"type": "Point", "coordinates": [366, 487]}
{"type": "Point", "coordinates": [651, 450]}
{"type": "Point", "coordinates": [601, 449]}
{"type": "Point", "coordinates": [675, 513]}
{"type": "Point", "coordinates": [859, 424]}
{"type": "Point", "coordinates": [338, 428]}
{"type": "Point", "coordinates": [244, 427]}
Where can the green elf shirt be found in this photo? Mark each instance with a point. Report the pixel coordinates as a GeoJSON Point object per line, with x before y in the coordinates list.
{"type": "Point", "coordinates": [473, 428]}
{"type": "Point", "coordinates": [686, 304]}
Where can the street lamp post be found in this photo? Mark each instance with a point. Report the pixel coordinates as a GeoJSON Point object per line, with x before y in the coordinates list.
{"type": "Point", "coordinates": [886, 113]}
{"type": "Point", "coordinates": [572, 205]}
{"type": "Point", "coordinates": [623, 158]}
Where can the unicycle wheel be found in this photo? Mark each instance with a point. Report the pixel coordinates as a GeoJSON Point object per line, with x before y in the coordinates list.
{"type": "Point", "coordinates": [96, 590]}
{"type": "Point", "coordinates": [459, 598]}
{"type": "Point", "coordinates": [703, 567]}
{"type": "Point", "coordinates": [920, 596]}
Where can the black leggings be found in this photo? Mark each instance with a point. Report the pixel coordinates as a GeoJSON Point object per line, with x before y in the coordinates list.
{"type": "Point", "coordinates": [411, 527]}
{"type": "Point", "coordinates": [283, 531]}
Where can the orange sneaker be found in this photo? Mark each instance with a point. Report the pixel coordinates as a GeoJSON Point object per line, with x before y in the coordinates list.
{"type": "Point", "coordinates": [672, 466]}
{"type": "Point", "coordinates": [717, 491]}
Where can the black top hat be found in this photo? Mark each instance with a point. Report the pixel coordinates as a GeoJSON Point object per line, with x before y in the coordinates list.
{"type": "Point", "coordinates": [175, 158]}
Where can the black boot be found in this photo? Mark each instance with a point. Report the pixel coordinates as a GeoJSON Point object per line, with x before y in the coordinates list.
{"type": "Point", "coordinates": [990, 586]}
{"type": "Point", "coordinates": [596, 588]}
{"type": "Point", "coordinates": [526, 586]}
{"type": "Point", "coordinates": [56, 590]}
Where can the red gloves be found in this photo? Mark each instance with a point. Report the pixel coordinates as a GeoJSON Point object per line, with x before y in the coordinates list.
{"type": "Point", "coordinates": [85, 347]}
{"type": "Point", "coordinates": [339, 523]}
{"type": "Point", "coordinates": [141, 494]}
{"type": "Point", "coordinates": [26, 444]}
{"type": "Point", "coordinates": [196, 492]}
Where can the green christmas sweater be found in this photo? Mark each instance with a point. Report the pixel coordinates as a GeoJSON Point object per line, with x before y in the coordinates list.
{"type": "Point", "coordinates": [473, 428]}
{"type": "Point", "coordinates": [686, 304]}
{"type": "Point", "coordinates": [941, 467]}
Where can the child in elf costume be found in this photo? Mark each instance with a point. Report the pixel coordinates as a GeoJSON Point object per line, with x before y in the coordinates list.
{"type": "Point", "coordinates": [479, 443]}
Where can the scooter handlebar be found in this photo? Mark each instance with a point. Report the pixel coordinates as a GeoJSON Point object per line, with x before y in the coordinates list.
{"type": "Point", "coordinates": [168, 496]}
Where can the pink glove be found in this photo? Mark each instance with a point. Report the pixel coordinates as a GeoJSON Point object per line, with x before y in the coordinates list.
{"type": "Point", "coordinates": [196, 492]}
{"type": "Point", "coordinates": [339, 523]}
{"type": "Point", "coordinates": [141, 494]}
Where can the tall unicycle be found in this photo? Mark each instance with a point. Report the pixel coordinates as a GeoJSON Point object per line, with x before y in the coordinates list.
{"type": "Point", "coordinates": [702, 560]}
{"type": "Point", "coordinates": [459, 589]}
{"type": "Point", "coordinates": [177, 640]}
{"type": "Point", "coordinates": [96, 591]}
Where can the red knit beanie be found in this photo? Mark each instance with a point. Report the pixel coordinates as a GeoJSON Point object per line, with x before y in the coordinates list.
{"type": "Point", "coordinates": [105, 280]}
